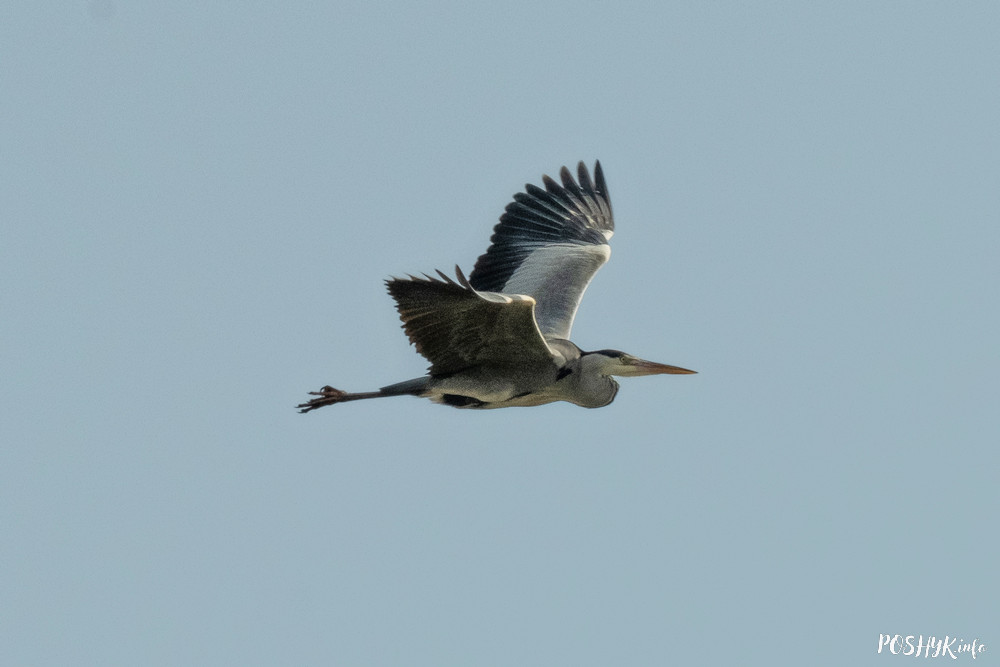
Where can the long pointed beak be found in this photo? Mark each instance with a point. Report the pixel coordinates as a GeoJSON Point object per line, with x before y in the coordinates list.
{"type": "Point", "coordinates": [643, 367]}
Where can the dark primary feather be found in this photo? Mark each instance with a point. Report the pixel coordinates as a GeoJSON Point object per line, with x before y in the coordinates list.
{"type": "Point", "coordinates": [568, 214]}
{"type": "Point", "coordinates": [455, 327]}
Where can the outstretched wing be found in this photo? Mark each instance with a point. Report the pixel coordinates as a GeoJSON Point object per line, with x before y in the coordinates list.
{"type": "Point", "coordinates": [455, 326]}
{"type": "Point", "coordinates": [548, 245]}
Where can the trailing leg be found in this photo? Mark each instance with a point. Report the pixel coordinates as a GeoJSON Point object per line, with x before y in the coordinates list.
{"type": "Point", "coordinates": [329, 396]}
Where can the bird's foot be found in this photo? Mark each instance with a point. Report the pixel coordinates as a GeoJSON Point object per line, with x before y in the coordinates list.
{"type": "Point", "coordinates": [327, 396]}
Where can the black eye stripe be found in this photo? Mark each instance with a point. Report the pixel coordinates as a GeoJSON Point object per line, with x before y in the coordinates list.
{"type": "Point", "coordinates": [606, 353]}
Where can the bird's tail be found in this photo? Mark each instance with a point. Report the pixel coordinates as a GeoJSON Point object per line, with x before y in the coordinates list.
{"type": "Point", "coordinates": [329, 396]}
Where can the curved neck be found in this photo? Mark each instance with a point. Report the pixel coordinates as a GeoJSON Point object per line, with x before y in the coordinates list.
{"type": "Point", "coordinates": [594, 386]}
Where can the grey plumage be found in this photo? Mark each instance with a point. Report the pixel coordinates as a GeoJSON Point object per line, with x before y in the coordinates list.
{"type": "Point", "coordinates": [500, 338]}
{"type": "Point", "coordinates": [550, 242]}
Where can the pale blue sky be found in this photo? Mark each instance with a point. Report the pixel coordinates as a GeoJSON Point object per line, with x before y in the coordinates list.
{"type": "Point", "coordinates": [200, 202]}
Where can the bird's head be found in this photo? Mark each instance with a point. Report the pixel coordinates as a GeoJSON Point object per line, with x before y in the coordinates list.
{"type": "Point", "coordinates": [616, 362]}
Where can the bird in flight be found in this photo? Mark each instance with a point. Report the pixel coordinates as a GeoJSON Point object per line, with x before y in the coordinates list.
{"type": "Point", "coordinates": [500, 338]}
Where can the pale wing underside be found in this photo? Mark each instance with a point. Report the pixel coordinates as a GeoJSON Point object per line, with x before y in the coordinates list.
{"type": "Point", "coordinates": [455, 326]}
{"type": "Point", "coordinates": [548, 245]}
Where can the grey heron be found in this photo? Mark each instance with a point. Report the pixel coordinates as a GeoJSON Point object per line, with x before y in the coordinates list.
{"type": "Point", "coordinates": [500, 338]}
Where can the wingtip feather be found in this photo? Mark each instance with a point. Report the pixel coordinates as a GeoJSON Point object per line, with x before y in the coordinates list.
{"type": "Point", "coordinates": [602, 187]}
{"type": "Point", "coordinates": [550, 184]}
{"type": "Point", "coordinates": [584, 176]}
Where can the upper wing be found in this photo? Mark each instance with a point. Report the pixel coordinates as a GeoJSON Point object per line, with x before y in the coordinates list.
{"type": "Point", "coordinates": [454, 326]}
{"type": "Point", "coordinates": [548, 245]}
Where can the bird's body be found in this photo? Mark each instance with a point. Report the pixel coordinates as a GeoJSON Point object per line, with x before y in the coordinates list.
{"type": "Point", "coordinates": [500, 338]}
